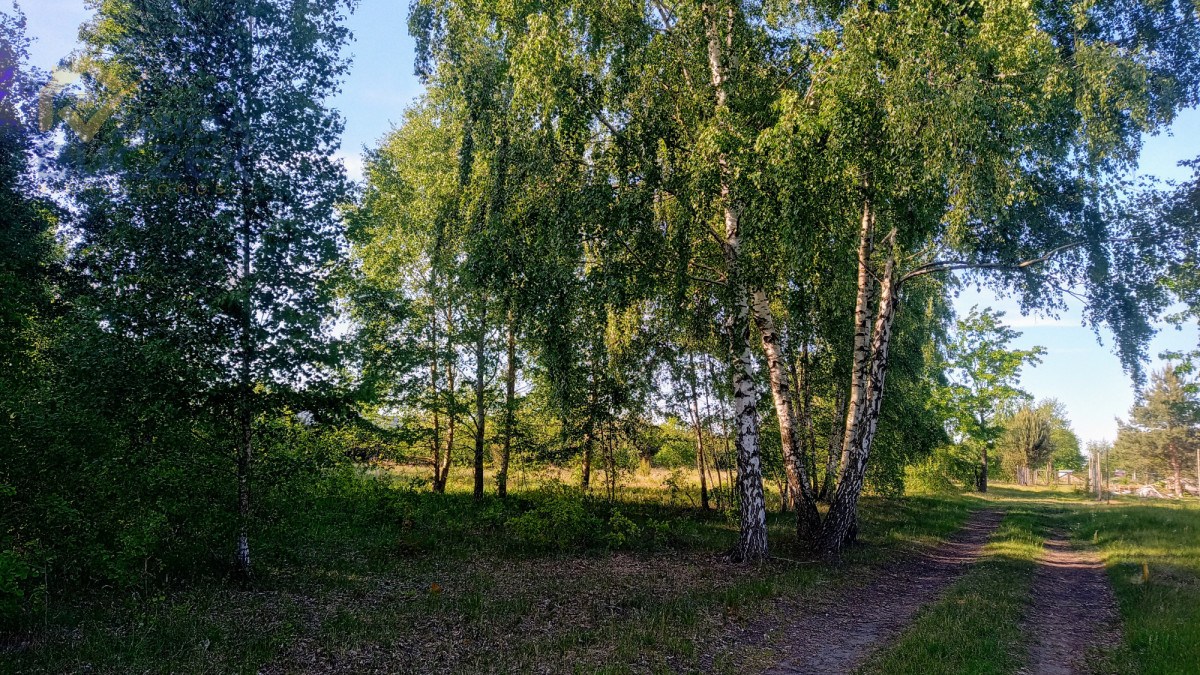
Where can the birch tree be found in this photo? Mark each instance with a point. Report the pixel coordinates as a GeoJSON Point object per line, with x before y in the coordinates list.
{"type": "Point", "coordinates": [406, 294]}
{"type": "Point", "coordinates": [955, 128]}
{"type": "Point", "coordinates": [223, 234]}
{"type": "Point", "coordinates": [923, 138]}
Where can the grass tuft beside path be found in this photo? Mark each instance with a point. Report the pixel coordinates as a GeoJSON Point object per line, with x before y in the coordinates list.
{"type": "Point", "coordinates": [976, 626]}
{"type": "Point", "coordinates": [1161, 616]}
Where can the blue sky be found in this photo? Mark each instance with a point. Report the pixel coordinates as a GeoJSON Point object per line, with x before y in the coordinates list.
{"type": "Point", "coordinates": [1079, 368]}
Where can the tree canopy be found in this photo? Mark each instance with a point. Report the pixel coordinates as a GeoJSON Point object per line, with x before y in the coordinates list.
{"type": "Point", "coordinates": [600, 226]}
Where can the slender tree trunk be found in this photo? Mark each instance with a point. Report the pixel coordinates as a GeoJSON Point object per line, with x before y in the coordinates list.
{"type": "Point", "coordinates": [245, 451]}
{"type": "Point", "coordinates": [730, 460]}
{"type": "Point", "coordinates": [841, 524]}
{"type": "Point", "coordinates": [510, 389]}
{"type": "Point", "coordinates": [752, 542]}
{"type": "Point", "coordinates": [442, 460]}
{"type": "Point", "coordinates": [834, 449]}
{"type": "Point", "coordinates": [437, 485]}
{"type": "Point", "coordinates": [802, 410]}
{"type": "Point", "coordinates": [699, 436]}
{"type": "Point", "coordinates": [585, 479]}
{"type": "Point", "coordinates": [608, 455]}
{"type": "Point", "coordinates": [480, 409]}
{"type": "Point", "coordinates": [1108, 476]}
{"type": "Point", "coordinates": [1176, 466]}
{"type": "Point", "coordinates": [708, 396]}
{"type": "Point", "coordinates": [451, 418]}
{"type": "Point", "coordinates": [436, 446]}
{"type": "Point", "coordinates": [860, 373]}
{"type": "Point", "coordinates": [981, 479]}
{"type": "Point", "coordinates": [804, 384]}
{"type": "Point", "coordinates": [589, 428]}
{"type": "Point", "coordinates": [799, 490]}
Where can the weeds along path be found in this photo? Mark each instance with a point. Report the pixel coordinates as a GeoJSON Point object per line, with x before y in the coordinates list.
{"type": "Point", "coordinates": [1073, 609]}
{"type": "Point", "coordinates": [838, 632]}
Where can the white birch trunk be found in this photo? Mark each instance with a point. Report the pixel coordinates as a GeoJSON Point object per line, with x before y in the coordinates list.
{"type": "Point", "coordinates": [841, 524]}
{"type": "Point", "coordinates": [799, 491]}
{"type": "Point", "coordinates": [752, 543]}
{"type": "Point", "coordinates": [862, 334]}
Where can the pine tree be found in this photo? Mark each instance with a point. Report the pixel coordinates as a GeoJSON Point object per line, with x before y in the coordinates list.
{"type": "Point", "coordinates": [1162, 427]}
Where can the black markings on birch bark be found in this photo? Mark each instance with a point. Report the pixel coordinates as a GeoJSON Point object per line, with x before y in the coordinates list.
{"type": "Point", "coordinates": [752, 543]}
{"type": "Point", "coordinates": [798, 486]}
{"type": "Point", "coordinates": [862, 335]}
{"type": "Point", "coordinates": [840, 524]}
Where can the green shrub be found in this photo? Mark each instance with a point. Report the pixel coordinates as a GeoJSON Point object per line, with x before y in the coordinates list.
{"type": "Point", "coordinates": [559, 520]}
{"type": "Point", "coordinates": [928, 477]}
{"type": "Point", "coordinates": [14, 576]}
{"type": "Point", "coordinates": [947, 470]}
{"type": "Point", "coordinates": [676, 454]}
{"type": "Point", "coordinates": [622, 532]}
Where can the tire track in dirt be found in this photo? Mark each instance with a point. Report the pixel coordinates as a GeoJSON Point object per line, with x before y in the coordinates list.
{"type": "Point", "coordinates": [839, 631]}
{"type": "Point", "coordinates": [1073, 609]}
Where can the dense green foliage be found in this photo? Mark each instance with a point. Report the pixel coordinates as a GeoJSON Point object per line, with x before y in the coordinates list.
{"type": "Point", "coordinates": [608, 238]}
{"type": "Point", "coordinates": [1160, 437]}
{"type": "Point", "coordinates": [983, 389]}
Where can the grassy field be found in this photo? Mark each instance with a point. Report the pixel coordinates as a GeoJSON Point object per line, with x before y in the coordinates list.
{"type": "Point", "coordinates": [976, 628]}
{"type": "Point", "coordinates": [389, 577]}
{"type": "Point", "coordinates": [373, 574]}
{"type": "Point", "coordinates": [1152, 550]}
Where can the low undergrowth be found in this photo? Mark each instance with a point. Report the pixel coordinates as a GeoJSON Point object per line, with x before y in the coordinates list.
{"type": "Point", "coordinates": [359, 573]}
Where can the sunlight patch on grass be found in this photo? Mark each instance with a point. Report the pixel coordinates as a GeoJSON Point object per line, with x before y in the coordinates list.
{"type": "Point", "coordinates": [1161, 616]}
{"type": "Point", "coordinates": [976, 626]}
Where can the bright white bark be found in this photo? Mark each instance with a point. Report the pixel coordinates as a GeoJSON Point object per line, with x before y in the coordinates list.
{"type": "Point", "coordinates": [862, 333]}
{"type": "Point", "coordinates": [752, 543]}
{"type": "Point", "coordinates": [799, 489]}
{"type": "Point", "coordinates": [840, 524]}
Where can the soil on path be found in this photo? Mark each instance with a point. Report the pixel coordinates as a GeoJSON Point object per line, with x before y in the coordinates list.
{"type": "Point", "coordinates": [837, 631]}
{"type": "Point", "coordinates": [1073, 609]}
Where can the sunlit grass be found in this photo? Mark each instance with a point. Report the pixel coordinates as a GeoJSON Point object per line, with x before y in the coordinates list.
{"type": "Point", "coordinates": [1161, 615]}
{"type": "Point", "coordinates": [1137, 538]}
{"type": "Point", "coordinates": [976, 626]}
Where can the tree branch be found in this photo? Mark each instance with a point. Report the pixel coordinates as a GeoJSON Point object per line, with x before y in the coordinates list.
{"type": "Point", "coordinates": [951, 265]}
